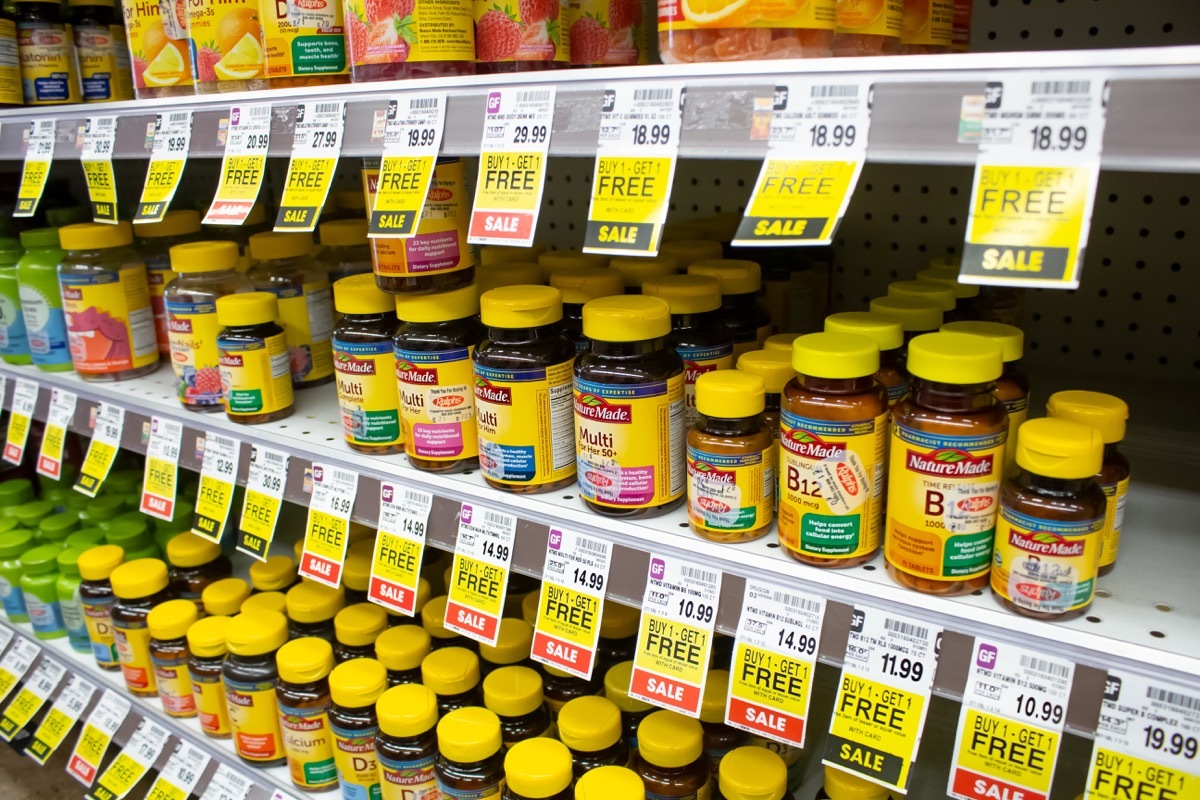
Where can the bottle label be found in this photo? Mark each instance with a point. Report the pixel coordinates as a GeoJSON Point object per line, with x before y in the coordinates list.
{"type": "Point", "coordinates": [72, 614]}
{"type": "Point", "coordinates": [696, 362]}
{"type": "Point", "coordinates": [403, 31]}
{"type": "Point", "coordinates": [174, 686]}
{"type": "Point", "coordinates": [227, 42]}
{"type": "Point", "coordinates": [103, 63]}
{"type": "Point", "coordinates": [524, 423]}
{"type": "Point", "coordinates": [46, 618]}
{"type": "Point", "coordinates": [160, 60]}
{"type": "Point", "coordinates": [211, 704]}
{"type": "Point", "coordinates": [97, 615]}
{"type": "Point", "coordinates": [450, 793]}
{"type": "Point", "coordinates": [256, 376]}
{"type": "Point", "coordinates": [303, 38]}
{"type": "Point", "coordinates": [47, 51]}
{"type": "Point", "coordinates": [705, 793]}
{"type": "Point", "coordinates": [13, 341]}
{"type": "Point", "coordinates": [875, 18]}
{"type": "Point", "coordinates": [437, 403]}
{"type": "Point", "coordinates": [943, 493]}
{"type": "Point", "coordinates": [928, 22]}
{"type": "Point", "coordinates": [192, 331]}
{"type": "Point", "coordinates": [408, 780]}
{"type": "Point", "coordinates": [609, 39]}
{"type": "Point", "coordinates": [813, 15]}
{"type": "Point", "coordinates": [46, 327]}
{"type": "Point", "coordinates": [308, 741]}
{"type": "Point", "coordinates": [831, 485]}
{"type": "Point", "coordinates": [254, 720]}
{"type": "Point", "coordinates": [1045, 565]}
{"type": "Point", "coordinates": [630, 441]}
{"type": "Point", "coordinates": [13, 600]}
{"type": "Point", "coordinates": [440, 244]}
{"type": "Point", "coordinates": [132, 642]}
{"type": "Point", "coordinates": [357, 770]}
{"type": "Point", "coordinates": [898, 392]}
{"type": "Point", "coordinates": [109, 322]}
{"type": "Point", "coordinates": [367, 392]}
{"type": "Point", "coordinates": [10, 65]}
{"type": "Point", "coordinates": [158, 275]}
{"type": "Point", "coordinates": [730, 492]}
{"type": "Point", "coordinates": [306, 314]}
{"type": "Point", "coordinates": [1114, 520]}
{"type": "Point", "coordinates": [533, 33]}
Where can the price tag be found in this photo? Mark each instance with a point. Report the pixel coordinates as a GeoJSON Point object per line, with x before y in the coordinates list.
{"type": "Point", "coordinates": [262, 501]}
{"type": "Point", "coordinates": [135, 759]}
{"type": "Point", "coordinates": [180, 774]}
{"type": "Point", "coordinates": [39, 155]}
{"type": "Point", "coordinates": [635, 167]}
{"type": "Point", "coordinates": [328, 526]}
{"type": "Point", "coordinates": [172, 141]}
{"type": "Point", "coordinates": [99, 135]}
{"type": "Point", "coordinates": [517, 126]}
{"type": "Point", "coordinates": [571, 602]}
{"type": "Point", "coordinates": [883, 698]}
{"type": "Point", "coordinates": [1147, 742]}
{"type": "Point", "coordinates": [31, 698]}
{"type": "Point", "coordinates": [98, 730]}
{"type": "Point", "coordinates": [817, 148]}
{"type": "Point", "coordinates": [15, 664]}
{"type": "Point", "coordinates": [58, 422]}
{"type": "Point", "coordinates": [162, 468]}
{"type": "Point", "coordinates": [482, 558]}
{"type": "Point", "coordinates": [679, 611]}
{"type": "Point", "coordinates": [1035, 181]}
{"type": "Point", "coordinates": [1011, 724]}
{"type": "Point", "coordinates": [218, 479]}
{"type": "Point", "coordinates": [774, 657]}
{"type": "Point", "coordinates": [24, 401]}
{"type": "Point", "coordinates": [243, 165]}
{"type": "Point", "coordinates": [62, 716]}
{"type": "Point", "coordinates": [227, 785]}
{"type": "Point", "coordinates": [412, 140]}
{"type": "Point", "coordinates": [396, 568]}
{"type": "Point", "coordinates": [102, 451]}
{"type": "Point", "coordinates": [316, 144]}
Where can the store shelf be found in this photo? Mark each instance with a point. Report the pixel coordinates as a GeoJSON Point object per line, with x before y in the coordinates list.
{"type": "Point", "coordinates": [917, 108]}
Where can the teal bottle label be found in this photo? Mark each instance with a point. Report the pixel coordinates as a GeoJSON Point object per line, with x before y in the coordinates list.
{"type": "Point", "coordinates": [46, 618]}
{"type": "Point", "coordinates": [13, 341]}
{"type": "Point", "coordinates": [14, 601]}
{"type": "Point", "coordinates": [45, 327]}
{"type": "Point", "coordinates": [72, 614]}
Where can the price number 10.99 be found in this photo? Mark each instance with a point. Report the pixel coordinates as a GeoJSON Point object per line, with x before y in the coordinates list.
{"type": "Point", "coordinates": [690, 609]}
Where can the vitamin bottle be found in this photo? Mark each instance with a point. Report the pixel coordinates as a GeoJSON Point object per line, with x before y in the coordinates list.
{"type": "Point", "coordinates": [841, 785]}
{"type": "Point", "coordinates": [629, 409]}
{"type": "Point", "coordinates": [345, 250]}
{"type": "Point", "coordinates": [432, 347]}
{"type": "Point", "coordinates": [85, 539]}
{"type": "Point", "coordinates": [514, 642]}
{"type": "Point", "coordinates": [103, 53]}
{"type": "Point", "coordinates": [636, 270]}
{"type": "Point", "coordinates": [752, 773]}
{"type": "Point", "coordinates": [508, 273]}
{"type": "Point", "coordinates": [356, 627]}
{"type": "Point", "coordinates": [155, 241]}
{"type": "Point", "coordinates": [888, 334]}
{"type": "Point", "coordinates": [356, 572]}
{"type": "Point", "coordinates": [55, 528]}
{"type": "Point", "coordinates": [11, 94]}
{"type": "Point", "coordinates": [555, 261]}
{"type": "Point", "coordinates": [491, 255]}
{"type": "Point", "coordinates": [693, 36]}
{"type": "Point", "coordinates": [365, 366]}
{"type": "Point", "coordinates": [470, 762]}
{"type": "Point", "coordinates": [266, 601]}
{"type": "Point", "coordinates": [96, 598]}
{"type": "Point", "coordinates": [610, 783]}
{"type": "Point", "coordinates": [131, 535]}
{"type": "Point", "coordinates": [433, 620]}
{"type": "Point", "coordinates": [927, 27]}
{"type": "Point", "coordinates": [276, 574]}
{"type": "Point", "coordinates": [406, 743]}
{"type": "Point", "coordinates": [560, 687]}
{"type": "Point", "coordinates": [286, 268]}
{"type": "Point", "coordinates": [719, 739]}
{"type": "Point", "coordinates": [689, 251]}
{"type": "Point", "coordinates": [421, 40]}
{"type": "Point", "coordinates": [523, 391]}
{"type": "Point", "coordinates": [618, 635]}
{"type": "Point", "coordinates": [14, 343]}
{"type": "Point", "coordinates": [946, 464]}
{"type": "Point", "coordinates": [250, 674]}
{"type": "Point", "coordinates": [730, 459]}
{"type": "Point", "coordinates": [774, 369]}
{"type": "Point", "coordinates": [139, 586]}
{"type": "Point", "coordinates": [196, 562]}
{"type": "Point", "coordinates": [39, 585]}
{"type": "Point", "coordinates": [530, 39]}
{"type": "Point", "coordinates": [225, 597]}
{"type": "Point", "coordinates": [110, 323]}
{"type": "Point", "coordinates": [536, 769]}
{"type": "Point", "coordinates": [966, 295]}
{"type": "Point", "coordinates": [69, 601]}
{"type": "Point", "coordinates": [355, 686]}
{"type": "Point", "coordinates": [514, 694]}
{"type": "Point", "coordinates": [160, 49]}
{"type": "Point", "coordinates": [304, 703]}
{"type": "Point", "coordinates": [868, 29]}
{"type": "Point", "coordinates": [401, 650]}
{"type": "Point", "coordinates": [741, 283]}
{"type": "Point", "coordinates": [311, 608]}
{"type": "Point", "coordinates": [781, 342]}
{"type": "Point", "coordinates": [49, 67]}
{"type": "Point", "coordinates": [206, 654]}
{"type": "Point", "coordinates": [670, 757]}
{"type": "Point", "coordinates": [168, 624]}
{"type": "Point", "coordinates": [831, 511]}
{"type": "Point", "coordinates": [939, 293]}
{"type": "Point", "coordinates": [916, 315]}
{"type": "Point", "coordinates": [12, 544]}
{"type": "Point", "coordinates": [580, 286]}
{"type": "Point", "coordinates": [591, 728]}
{"type": "Point", "coordinates": [227, 45]}
{"type": "Point", "coordinates": [41, 300]}
{"type": "Point", "coordinates": [252, 350]}
{"type": "Point", "coordinates": [304, 46]}
{"type": "Point", "coordinates": [453, 675]}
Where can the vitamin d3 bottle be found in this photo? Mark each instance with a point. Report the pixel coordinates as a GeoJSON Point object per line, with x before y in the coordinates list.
{"type": "Point", "coordinates": [96, 598]}
{"type": "Point", "coordinates": [470, 761]}
{"type": "Point", "coordinates": [303, 697]}
{"type": "Point", "coordinates": [355, 686]}
{"type": "Point", "coordinates": [406, 744]}
{"type": "Point", "coordinates": [169, 624]}
{"type": "Point", "coordinates": [139, 585]}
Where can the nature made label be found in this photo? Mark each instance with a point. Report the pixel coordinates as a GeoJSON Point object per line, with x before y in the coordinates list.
{"type": "Point", "coordinates": [54, 438]}
{"type": "Point", "coordinates": [1045, 566]}
{"type": "Point", "coordinates": [226, 784]}
{"type": "Point", "coordinates": [102, 451]}
{"type": "Point", "coordinates": [168, 155]}
{"type": "Point", "coordinates": [31, 698]}
{"type": "Point", "coordinates": [20, 417]}
{"type": "Point", "coordinates": [180, 774]}
{"type": "Point", "coordinates": [366, 392]}
{"type": "Point", "coordinates": [218, 480]}
{"type": "Point", "coordinates": [99, 134]}
{"type": "Point", "coordinates": [243, 164]}
{"type": "Point", "coordinates": [60, 719]}
{"type": "Point", "coordinates": [39, 156]}
{"type": "Point", "coordinates": [162, 469]}
{"type": "Point", "coordinates": [479, 583]}
{"type": "Point", "coordinates": [679, 612]}
{"type": "Point", "coordinates": [135, 759]}
{"type": "Point", "coordinates": [328, 525]}
{"type": "Point", "coordinates": [99, 728]}
{"type": "Point", "coordinates": [316, 145]}
{"type": "Point", "coordinates": [399, 545]}
{"type": "Point", "coordinates": [524, 423]}
{"type": "Point", "coordinates": [265, 483]}
{"type": "Point", "coordinates": [437, 407]}
{"type": "Point", "coordinates": [412, 139]}
{"type": "Point", "coordinates": [571, 601]}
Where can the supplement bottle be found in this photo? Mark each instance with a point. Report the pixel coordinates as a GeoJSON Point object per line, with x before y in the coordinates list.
{"type": "Point", "coordinates": [31, 515]}
{"type": "Point", "coordinates": [752, 773]}
{"type": "Point", "coordinates": [356, 627]}
{"type": "Point", "coordinates": [781, 342]}
{"type": "Point", "coordinates": [252, 350]}
{"type": "Point", "coordinates": [406, 743]}
{"type": "Point", "coordinates": [688, 251]}
{"type": "Point", "coordinates": [629, 409]}
{"type": "Point", "coordinates": [206, 654]}
{"type": "Point", "coordinates": [345, 250]}
{"type": "Point", "coordinates": [514, 642]}
{"type": "Point", "coordinates": [636, 270]}
{"type": "Point", "coordinates": [671, 757]}
{"type": "Point", "coordinates": [966, 295]}
{"type": "Point", "coordinates": [536, 769]}
{"type": "Point", "coordinates": [610, 783]}
{"type": "Point", "coordinates": [868, 29]}
{"type": "Point", "coordinates": [311, 608]}
{"type": "Point", "coordinates": [591, 728]}
{"type": "Point", "coordinates": [355, 686]}
{"type": "Point", "coordinates": [928, 27]}
{"type": "Point", "coordinates": [155, 242]}
{"type": "Point", "coordinates": [555, 261]}
{"type": "Point", "coordinates": [774, 369]}
{"type": "Point", "coordinates": [11, 94]}
{"type": "Point", "coordinates": [55, 528]}
{"type": "Point", "coordinates": [720, 739]}
{"type": "Point", "coordinates": [356, 572]}
{"type": "Point", "coordinates": [365, 366]}
{"type": "Point", "coordinates": [916, 315]}
{"type": "Point", "coordinates": [102, 50]}
{"type": "Point", "coordinates": [49, 67]}
{"type": "Point", "coordinates": [266, 601]}
{"type": "Point", "coordinates": [888, 334]}
{"type": "Point", "coordinates": [227, 45]}
{"type": "Point", "coordinates": [830, 510]}
{"type": "Point", "coordinates": [96, 598]}
{"type": "Point", "coordinates": [421, 40]}
{"type": "Point", "coordinates": [39, 585]}
{"type": "Point", "coordinates": [139, 585]}
{"type": "Point", "coordinates": [939, 293]}
{"type": "Point", "coordinates": [1106, 414]}
{"type": "Point", "coordinates": [169, 624]}
{"type": "Point", "coordinates": [755, 35]}
{"type": "Point", "coordinates": [161, 50]}
{"type": "Point", "coordinates": [508, 273]}
{"type": "Point", "coordinates": [1050, 531]}
{"type": "Point", "coordinates": [205, 271]}
{"type": "Point", "coordinates": [41, 300]}
{"type": "Point", "coordinates": [433, 620]}
{"type": "Point", "coordinates": [453, 675]}
{"type": "Point", "coordinates": [841, 785]}
{"type": "Point", "coordinates": [618, 635]}
{"type": "Point", "coordinates": [432, 348]}
{"type": "Point", "coordinates": [580, 286]}
{"type": "Point", "coordinates": [196, 562]}
{"type": "Point", "coordinates": [741, 283]}
{"type": "Point", "coordinates": [523, 391]}
{"type": "Point", "coordinates": [286, 268]}
{"type": "Point", "coordinates": [276, 574]}
{"type": "Point", "coordinates": [110, 323]}
{"type": "Point", "coordinates": [305, 46]}
{"type": "Point", "coordinates": [131, 535]}
{"type": "Point", "coordinates": [69, 601]}
{"type": "Point", "coordinates": [250, 674]}
{"type": "Point", "coordinates": [15, 491]}
{"type": "Point", "coordinates": [224, 598]}
{"type": "Point", "coordinates": [470, 762]}
{"type": "Point", "coordinates": [560, 687]}
{"type": "Point", "coordinates": [730, 459]}
{"type": "Point", "coordinates": [14, 343]}
{"type": "Point", "coordinates": [12, 544]}
{"type": "Point", "coordinates": [531, 39]}
{"type": "Point", "coordinates": [85, 539]}
{"type": "Point", "coordinates": [304, 703]}
{"type": "Point", "coordinates": [514, 694]}
{"type": "Point", "coordinates": [401, 650]}
{"type": "Point", "coordinates": [491, 255]}
{"type": "Point", "coordinates": [946, 465]}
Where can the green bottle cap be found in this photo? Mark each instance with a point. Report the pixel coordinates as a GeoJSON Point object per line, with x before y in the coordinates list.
{"type": "Point", "coordinates": [102, 509]}
{"type": "Point", "coordinates": [41, 559]}
{"type": "Point", "coordinates": [146, 551]}
{"type": "Point", "coordinates": [88, 537]}
{"type": "Point", "coordinates": [68, 215]}
{"type": "Point", "coordinates": [131, 535]}
{"type": "Point", "coordinates": [68, 561]}
{"type": "Point", "coordinates": [15, 492]}
{"type": "Point", "coordinates": [182, 521]}
{"type": "Point", "coordinates": [14, 543]}
{"type": "Point", "coordinates": [124, 481]}
{"type": "Point", "coordinates": [10, 251]}
{"type": "Point", "coordinates": [41, 238]}
{"type": "Point", "coordinates": [30, 514]}
{"type": "Point", "coordinates": [56, 527]}
{"type": "Point", "coordinates": [65, 479]}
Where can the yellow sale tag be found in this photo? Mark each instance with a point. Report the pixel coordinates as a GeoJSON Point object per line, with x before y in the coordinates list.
{"type": "Point", "coordinates": [396, 569]}
{"type": "Point", "coordinates": [54, 728]}
{"type": "Point", "coordinates": [998, 754]}
{"type": "Point", "coordinates": [18, 434]}
{"type": "Point", "coordinates": [121, 776]}
{"type": "Point", "coordinates": [62, 412]}
{"type": "Point", "coordinates": [162, 469]}
{"type": "Point", "coordinates": [304, 193]}
{"type": "Point", "coordinates": [19, 712]}
{"type": "Point", "coordinates": [260, 513]}
{"type": "Point", "coordinates": [768, 693]}
{"type": "Point", "coordinates": [479, 582]}
{"type": "Point", "coordinates": [39, 155]}
{"type": "Point", "coordinates": [1118, 776]}
{"type": "Point", "coordinates": [162, 179]}
{"type": "Point", "coordinates": [571, 602]}
{"type": "Point", "coordinates": [102, 189]}
{"type": "Point", "coordinates": [243, 166]}
{"type": "Point", "coordinates": [93, 743]}
{"type": "Point", "coordinates": [215, 494]}
{"type": "Point", "coordinates": [326, 534]}
{"type": "Point", "coordinates": [630, 196]}
{"type": "Point", "coordinates": [798, 202]}
{"type": "Point", "coordinates": [400, 195]}
{"type": "Point", "coordinates": [102, 451]}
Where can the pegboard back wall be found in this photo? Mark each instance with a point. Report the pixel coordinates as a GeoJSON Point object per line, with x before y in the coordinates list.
{"type": "Point", "coordinates": [1000, 25]}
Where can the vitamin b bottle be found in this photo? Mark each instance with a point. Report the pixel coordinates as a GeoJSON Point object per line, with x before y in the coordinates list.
{"type": "Point", "coordinates": [365, 366]}
{"type": "Point", "coordinates": [841, 785]}
{"type": "Point", "coordinates": [916, 315]}
{"type": "Point", "coordinates": [304, 702]}
{"type": "Point", "coordinates": [355, 686]}
{"type": "Point", "coordinates": [225, 597]}
{"type": "Point", "coordinates": [671, 757]}
{"type": "Point", "coordinates": [618, 635]}
{"type": "Point", "coordinates": [406, 743]}
{"type": "Point", "coordinates": [888, 334]}
{"type": "Point", "coordinates": [453, 674]}
{"type": "Point", "coordinates": [169, 623]}
{"type": "Point", "coordinates": [561, 687]}
{"type": "Point", "coordinates": [250, 674]}
{"type": "Point", "coordinates": [155, 241]}
{"type": "Point", "coordinates": [741, 283]}
{"type": "Point", "coordinates": [266, 601]}
{"type": "Point", "coordinates": [752, 773]}
{"type": "Point", "coordinates": [276, 574]}
{"type": "Point", "coordinates": [591, 728]}
{"type": "Point", "coordinates": [470, 761]}
{"type": "Point", "coordinates": [774, 369]}
{"type": "Point", "coordinates": [719, 739]}
{"type": "Point", "coordinates": [513, 644]}
{"type": "Point", "coordinates": [356, 628]}
{"type": "Point", "coordinates": [633, 711]}
{"type": "Point", "coordinates": [433, 620]}
{"type": "Point", "coordinates": [139, 585]}
{"type": "Point", "coordinates": [538, 769]}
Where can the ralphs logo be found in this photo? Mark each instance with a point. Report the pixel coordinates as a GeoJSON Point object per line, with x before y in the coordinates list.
{"type": "Point", "coordinates": [408, 372]}
{"type": "Point", "coordinates": [440, 194]}
{"type": "Point", "coordinates": [949, 463]}
{"type": "Point", "coordinates": [1037, 592]}
{"type": "Point", "coordinates": [490, 393]}
{"type": "Point", "coordinates": [1045, 543]}
{"type": "Point", "coordinates": [807, 444]}
{"type": "Point", "coordinates": [709, 472]}
{"type": "Point", "coordinates": [589, 406]}
{"type": "Point", "coordinates": [226, 359]}
{"type": "Point", "coordinates": [448, 401]}
{"type": "Point", "coordinates": [310, 5]}
{"type": "Point", "coordinates": [692, 370]}
{"type": "Point", "coordinates": [351, 365]}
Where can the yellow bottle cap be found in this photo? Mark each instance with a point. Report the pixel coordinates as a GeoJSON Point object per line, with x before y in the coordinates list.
{"type": "Point", "coordinates": [678, 230]}
{"type": "Point", "coordinates": [225, 597]}
{"type": "Point", "coordinates": [955, 358]}
{"type": "Point", "coordinates": [772, 367]}
{"type": "Point", "coordinates": [492, 254]}
{"type": "Point", "coordinates": [949, 277]}
{"type": "Point", "coordinates": [311, 602]}
{"type": "Point", "coordinates": [734, 275]}
{"type": "Point", "coordinates": [455, 304]}
{"type": "Point", "coordinates": [95, 236]}
{"type": "Point", "coordinates": [171, 620]}
{"type": "Point", "coordinates": [939, 293]}
{"type": "Point", "coordinates": [407, 711]}
{"type": "Point", "coordinates": [947, 261]}
{"type": "Point", "coordinates": [616, 688]}
{"type": "Point", "coordinates": [266, 601]}
{"type": "Point", "coordinates": [270, 245]}
{"type": "Point", "coordinates": [1058, 448]}
{"type": "Point", "coordinates": [469, 735]}
{"type": "Point", "coordinates": [588, 724]}
{"type": "Point", "coordinates": [256, 633]}
{"type": "Point", "coordinates": [360, 624]}
{"type": "Point", "coordinates": [610, 783]}
{"type": "Point", "coordinates": [1010, 338]}
{"type": "Point", "coordinates": [752, 773]}
{"type": "Point", "coordinates": [1103, 412]}
{"type": "Point", "coordinates": [344, 232]}
{"type": "Point", "coordinates": [248, 308]}
{"type": "Point", "coordinates": [566, 260]}
{"type": "Point", "coordinates": [357, 683]}
{"type": "Point", "coordinates": [716, 692]}
{"type": "Point", "coordinates": [305, 660]}
{"type": "Point", "coordinates": [915, 314]}
{"type": "Point", "coordinates": [887, 331]}
{"type": "Point", "coordinates": [670, 740]}
{"type": "Point", "coordinates": [173, 223]}
{"type": "Point", "coordinates": [141, 577]}
{"type": "Point", "coordinates": [97, 563]}
{"type": "Point", "coordinates": [781, 342]}
{"type": "Point", "coordinates": [520, 306]}
{"type": "Point", "coordinates": [424, 591]}
{"type": "Point", "coordinates": [298, 548]}
{"type": "Point", "coordinates": [516, 273]}
{"type": "Point", "coordinates": [835, 355]}
{"type": "Point", "coordinates": [402, 648]}
{"type": "Point", "coordinates": [358, 294]}
{"type": "Point", "coordinates": [356, 572]}
{"type": "Point", "coordinates": [636, 270]}
{"type": "Point", "coordinates": [206, 637]}
{"type": "Point", "coordinates": [538, 768]}
{"type": "Point", "coordinates": [190, 550]}
{"type": "Point", "coordinates": [844, 786]}
{"type": "Point", "coordinates": [257, 215]}
{"type": "Point", "coordinates": [685, 294]}
{"type": "Point", "coordinates": [689, 251]}
{"type": "Point", "coordinates": [529, 607]}
{"type": "Point", "coordinates": [450, 671]}
{"type": "Point", "coordinates": [630, 318]}
{"type": "Point", "coordinates": [433, 619]}
{"type": "Point", "coordinates": [580, 285]}
{"type": "Point", "coordinates": [619, 621]}
{"type": "Point", "coordinates": [204, 256]}
{"type": "Point", "coordinates": [347, 200]}
{"type": "Point", "coordinates": [277, 572]}
{"type": "Point", "coordinates": [512, 691]}
{"type": "Point", "coordinates": [730, 394]}
{"type": "Point", "coordinates": [513, 643]}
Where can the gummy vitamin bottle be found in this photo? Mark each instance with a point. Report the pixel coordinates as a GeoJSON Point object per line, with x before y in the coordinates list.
{"type": "Point", "coordinates": [364, 364]}
{"type": "Point", "coordinates": [228, 44]}
{"type": "Point", "coordinates": [409, 39]}
{"type": "Point", "coordinates": [160, 49]}
{"type": "Point", "coordinates": [304, 701]}
{"type": "Point", "coordinates": [11, 94]}
{"type": "Point", "coordinates": [41, 300]}
{"type": "Point", "coordinates": [868, 27]}
{"type": "Point", "coordinates": [305, 44]}
{"type": "Point", "coordinates": [928, 27]}
{"type": "Point", "coordinates": [529, 39]}
{"type": "Point", "coordinates": [103, 53]}
{"type": "Point", "coordinates": [155, 240]}
{"type": "Point", "coordinates": [538, 769]}
{"type": "Point", "coordinates": [14, 343]}
{"type": "Point", "coordinates": [691, 31]}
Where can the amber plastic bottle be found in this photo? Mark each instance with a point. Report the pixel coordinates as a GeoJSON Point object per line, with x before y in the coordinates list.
{"type": "Point", "coordinates": [939, 293]}
{"type": "Point", "coordinates": [401, 650]}
{"type": "Point", "coordinates": [206, 654]}
{"type": "Point", "coordinates": [514, 694]}
{"type": "Point", "coordinates": [256, 378]}
{"type": "Point", "coordinates": [356, 628]}
{"type": "Point", "coordinates": [752, 773]}
{"type": "Point", "coordinates": [96, 598]}
{"type": "Point", "coordinates": [580, 286]}
{"type": "Point", "coordinates": [560, 687]}
{"type": "Point", "coordinates": [774, 369]}
{"type": "Point", "coordinates": [946, 465]}
{"type": "Point", "coordinates": [406, 743]}
{"type": "Point", "coordinates": [591, 728]}
{"type": "Point", "coordinates": [453, 674]}
{"type": "Point", "coordinates": [250, 674]}
{"type": "Point", "coordinates": [311, 608]}
{"type": "Point", "coordinates": [355, 686]}
{"type": "Point", "coordinates": [169, 623]}
{"type": "Point", "coordinates": [636, 270]}
{"type": "Point", "coordinates": [888, 333]}
{"type": "Point", "coordinates": [508, 273]}
{"type": "Point", "coordinates": [470, 761]}
{"type": "Point", "coordinates": [633, 711]}
{"type": "Point", "coordinates": [966, 295]}
{"type": "Point", "coordinates": [196, 562]}
{"type": "Point", "coordinates": [139, 585]}
{"type": "Point", "coordinates": [364, 366]}
{"type": "Point", "coordinates": [841, 785]}
{"type": "Point", "coordinates": [719, 739]}
{"type": "Point", "coordinates": [538, 769]}
{"type": "Point", "coordinates": [916, 315]}
{"type": "Point", "coordinates": [304, 701]}
{"type": "Point", "coordinates": [671, 757]}
{"type": "Point", "coordinates": [266, 601]}
{"type": "Point", "coordinates": [690, 251]}
{"type": "Point", "coordinates": [618, 635]}
{"type": "Point", "coordinates": [741, 283]}
{"type": "Point", "coordinates": [225, 597]}
{"type": "Point", "coordinates": [433, 620]}
{"type": "Point", "coordinates": [356, 572]}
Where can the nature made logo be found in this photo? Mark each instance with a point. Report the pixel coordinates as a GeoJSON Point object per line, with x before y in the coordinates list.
{"type": "Point", "coordinates": [589, 406]}
{"type": "Point", "coordinates": [408, 372]}
{"type": "Point", "coordinates": [352, 365]}
{"type": "Point", "coordinates": [949, 463]}
{"type": "Point", "coordinates": [710, 472]}
{"type": "Point", "coordinates": [692, 371]}
{"type": "Point", "coordinates": [486, 391]}
{"type": "Point", "coordinates": [1045, 543]}
{"type": "Point", "coordinates": [227, 359]}
{"type": "Point", "coordinates": [807, 444]}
